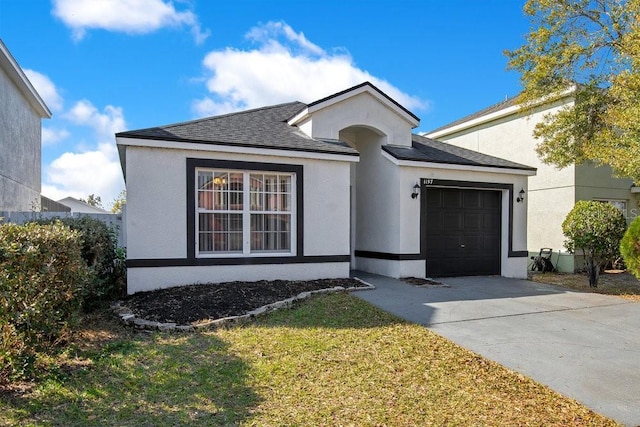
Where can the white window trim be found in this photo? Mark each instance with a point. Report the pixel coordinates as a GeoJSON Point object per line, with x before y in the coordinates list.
{"type": "Point", "coordinates": [246, 216]}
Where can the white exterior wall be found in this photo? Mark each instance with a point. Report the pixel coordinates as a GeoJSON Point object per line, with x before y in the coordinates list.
{"type": "Point", "coordinates": [157, 218]}
{"type": "Point", "coordinates": [552, 192]}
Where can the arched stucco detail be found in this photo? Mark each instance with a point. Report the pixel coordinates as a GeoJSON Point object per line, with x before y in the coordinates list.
{"type": "Point", "coordinates": [362, 111]}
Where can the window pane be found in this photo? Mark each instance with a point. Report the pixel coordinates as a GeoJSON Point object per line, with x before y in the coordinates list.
{"type": "Point", "coordinates": [220, 232]}
{"type": "Point", "coordinates": [270, 232]}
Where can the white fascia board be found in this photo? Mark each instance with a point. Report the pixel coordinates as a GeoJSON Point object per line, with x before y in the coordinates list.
{"type": "Point", "coordinates": [16, 75]}
{"type": "Point", "coordinates": [450, 166]}
{"type": "Point", "coordinates": [507, 111]}
{"type": "Point", "coordinates": [301, 116]}
{"type": "Point", "coordinates": [221, 148]}
{"type": "Point", "coordinates": [635, 190]}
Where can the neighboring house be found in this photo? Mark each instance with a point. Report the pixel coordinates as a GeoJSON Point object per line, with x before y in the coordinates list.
{"type": "Point", "coordinates": [308, 191]}
{"type": "Point", "coordinates": [48, 205]}
{"type": "Point", "coordinates": [21, 111]}
{"type": "Point", "coordinates": [501, 130]}
{"type": "Point", "coordinates": [79, 206]}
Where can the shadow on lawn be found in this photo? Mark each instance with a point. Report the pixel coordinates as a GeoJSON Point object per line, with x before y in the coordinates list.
{"type": "Point", "coordinates": [158, 379]}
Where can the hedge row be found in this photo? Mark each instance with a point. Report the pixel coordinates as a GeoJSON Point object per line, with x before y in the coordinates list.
{"type": "Point", "coordinates": [48, 272]}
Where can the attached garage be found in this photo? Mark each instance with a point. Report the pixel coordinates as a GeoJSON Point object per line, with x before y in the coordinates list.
{"type": "Point", "coordinates": [462, 232]}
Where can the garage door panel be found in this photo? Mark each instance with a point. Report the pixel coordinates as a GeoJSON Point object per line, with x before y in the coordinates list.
{"type": "Point", "coordinates": [472, 200]}
{"type": "Point", "coordinates": [451, 200]}
{"type": "Point", "coordinates": [452, 221]}
{"type": "Point", "coordinates": [462, 233]}
{"type": "Point", "coordinates": [472, 220]}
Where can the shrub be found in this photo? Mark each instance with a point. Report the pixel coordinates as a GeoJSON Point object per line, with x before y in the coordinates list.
{"type": "Point", "coordinates": [41, 275]}
{"type": "Point", "coordinates": [595, 228]}
{"type": "Point", "coordinates": [630, 247]}
{"type": "Point", "coordinates": [100, 252]}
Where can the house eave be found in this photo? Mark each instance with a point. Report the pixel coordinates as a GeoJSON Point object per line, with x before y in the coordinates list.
{"type": "Point", "coordinates": [565, 97]}
{"type": "Point", "coordinates": [458, 166]}
{"type": "Point", "coordinates": [122, 142]}
{"type": "Point", "coordinates": [17, 76]}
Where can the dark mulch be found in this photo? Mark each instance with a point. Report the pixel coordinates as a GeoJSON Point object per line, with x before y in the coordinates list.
{"type": "Point", "coordinates": [417, 281]}
{"type": "Point", "coordinates": [187, 304]}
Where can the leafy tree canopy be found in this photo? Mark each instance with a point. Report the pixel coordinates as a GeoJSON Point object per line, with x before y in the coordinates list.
{"type": "Point", "coordinates": [93, 200]}
{"type": "Point", "coordinates": [590, 48]}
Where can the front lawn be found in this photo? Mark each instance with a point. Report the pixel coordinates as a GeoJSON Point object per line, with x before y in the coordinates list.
{"type": "Point", "coordinates": [332, 360]}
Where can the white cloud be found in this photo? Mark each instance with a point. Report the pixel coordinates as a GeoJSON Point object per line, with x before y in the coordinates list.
{"type": "Point", "coordinates": [127, 16]}
{"type": "Point", "coordinates": [80, 174]}
{"type": "Point", "coordinates": [47, 90]}
{"type": "Point", "coordinates": [93, 167]}
{"type": "Point", "coordinates": [285, 67]}
{"type": "Point", "coordinates": [51, 136]}
{"type": "Point", "coordinates": [104, 124]}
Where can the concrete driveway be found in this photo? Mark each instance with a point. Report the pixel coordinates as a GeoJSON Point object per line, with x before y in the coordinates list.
{"type": "Point", "coordinates": [584, 346]}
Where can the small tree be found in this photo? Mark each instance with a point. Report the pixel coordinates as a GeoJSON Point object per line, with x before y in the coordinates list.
{"type": "Point", "coordinates": [595, 228]}
{"type": "Point", "coordinates": [630, 247]}
{"type": "Point", "coordinates": [93, 200]}
{"type": "Point", "coordinates": [119, 202]}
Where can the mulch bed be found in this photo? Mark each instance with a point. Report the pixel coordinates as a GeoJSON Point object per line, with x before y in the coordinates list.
{"type": "Point", "coordinates": [417, 281]}
{"type": "Point", "coordinates": [188, 304]}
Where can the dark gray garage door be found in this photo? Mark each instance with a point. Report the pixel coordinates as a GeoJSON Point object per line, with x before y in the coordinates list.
{"type": "Point", "coordinates": [462, 232]}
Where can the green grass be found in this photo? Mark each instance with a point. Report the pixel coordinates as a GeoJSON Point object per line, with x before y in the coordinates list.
{"type": "Point", "coordinates": [332, 360]}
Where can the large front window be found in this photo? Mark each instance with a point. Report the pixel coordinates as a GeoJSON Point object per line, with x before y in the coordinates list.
{"type": "Point", "coordinates": [244, 212]}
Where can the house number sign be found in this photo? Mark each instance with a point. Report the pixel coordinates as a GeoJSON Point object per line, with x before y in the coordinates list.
{"type": "Point", "coordinates": [428, 181]}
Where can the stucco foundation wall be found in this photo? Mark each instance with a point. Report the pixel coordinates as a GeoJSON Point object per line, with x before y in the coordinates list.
{"type": "Point", "coordinates": [20, 136]}
{"type": "Point", "coordinates": [148, 279]}
{"type": "Point", "coordinates": [157, 218]}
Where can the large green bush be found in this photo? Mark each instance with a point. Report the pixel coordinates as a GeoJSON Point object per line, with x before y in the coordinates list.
{"type": "Point", "coordinates": [42, 274]}
{"type": "Point", "coordinates": [104, 258]}
{"type": "Point", "coordinates": [630, 247]}
{"type": "Point", "coordinates": [595, 228]}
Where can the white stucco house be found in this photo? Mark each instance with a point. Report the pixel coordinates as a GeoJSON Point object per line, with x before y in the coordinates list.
{"type": "Point", "coordinates": [21, 112]}
{"type": "Point", "coordinates": [502, 130]}
{"type": "Point", "coordinates": [308, 191]}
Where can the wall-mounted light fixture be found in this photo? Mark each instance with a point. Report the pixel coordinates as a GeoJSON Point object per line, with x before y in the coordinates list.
{"type": "Point", "coordinates": [520, 199]}
{"type": "Point", "coordinates": [416, 191]}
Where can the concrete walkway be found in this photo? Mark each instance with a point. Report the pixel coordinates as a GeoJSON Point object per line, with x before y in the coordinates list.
{"type": "Point", "coordinates": [582, 345]}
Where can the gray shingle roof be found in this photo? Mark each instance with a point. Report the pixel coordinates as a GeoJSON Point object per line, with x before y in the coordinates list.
{"type": "Point", "coordinates": [267, 127]}
{"type": "Point", "coordinates": [430, 150]}
{"type": "Point", "coordinates": [261, 128]}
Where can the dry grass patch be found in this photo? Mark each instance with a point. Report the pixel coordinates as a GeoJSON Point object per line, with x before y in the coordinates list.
{"type": "Point", "coordinates": [611, 282]}
{"type": "Point", "coordinates": [332, 360]}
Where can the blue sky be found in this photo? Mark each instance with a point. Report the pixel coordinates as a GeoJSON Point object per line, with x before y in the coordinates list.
{"type": "Point", "coordinates": [104, 66]}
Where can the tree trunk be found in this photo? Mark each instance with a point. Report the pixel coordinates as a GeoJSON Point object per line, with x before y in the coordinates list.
{"type": "Point", "coordinates": [594, 272]}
